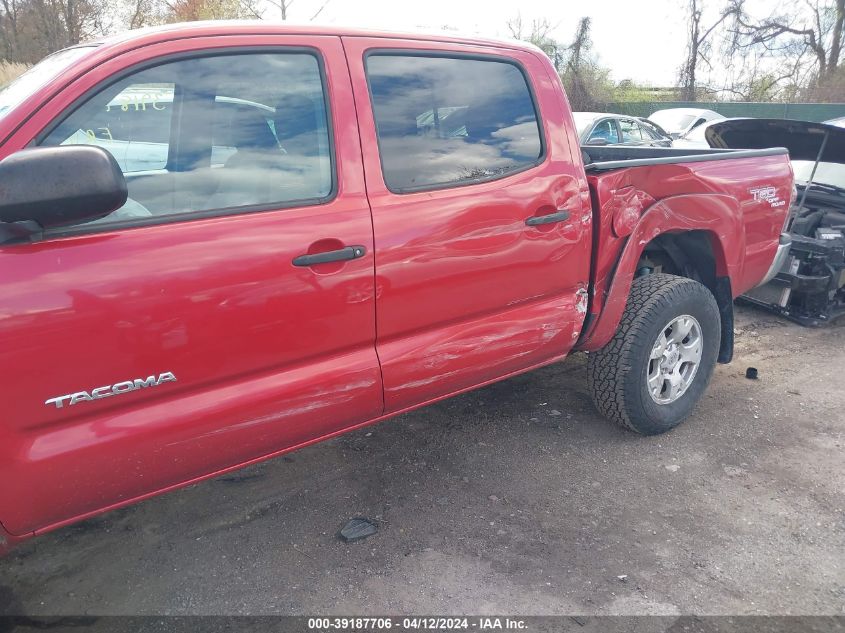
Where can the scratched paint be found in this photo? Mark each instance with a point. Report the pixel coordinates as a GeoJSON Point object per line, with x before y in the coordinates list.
{"type": "Point", "coordinates": [436, 362]}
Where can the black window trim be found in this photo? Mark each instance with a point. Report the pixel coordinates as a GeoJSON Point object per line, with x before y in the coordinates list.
{"type": "Point", "coordinates": [417, 52]}
{"type": "Point", "coordinates": [618, 128]}
{"type": "Point", "coordinates": [649, 129]}
{"type": "Point", "coordinates": [85, 229]}
{"type": "Point", "coordinates": [663, 133]}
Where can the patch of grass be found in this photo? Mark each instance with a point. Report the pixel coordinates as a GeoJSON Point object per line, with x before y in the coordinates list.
{"type": "Point", "coordinates": [10, 70]}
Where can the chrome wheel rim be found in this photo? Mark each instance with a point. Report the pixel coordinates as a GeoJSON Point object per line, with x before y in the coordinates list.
{"type": "Point", "coordinates": [674, 360]}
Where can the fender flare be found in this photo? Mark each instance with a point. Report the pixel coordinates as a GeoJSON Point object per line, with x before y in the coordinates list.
{"type": "Point", "coordinates": [719, 216]}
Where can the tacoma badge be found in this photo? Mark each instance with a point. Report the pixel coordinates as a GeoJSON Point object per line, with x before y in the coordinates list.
{"type": "Point", "coordinates": [112, 390]}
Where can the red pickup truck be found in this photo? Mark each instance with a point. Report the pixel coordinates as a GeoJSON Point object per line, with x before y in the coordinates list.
{"type": "Point", "coordinates": [224, 241]}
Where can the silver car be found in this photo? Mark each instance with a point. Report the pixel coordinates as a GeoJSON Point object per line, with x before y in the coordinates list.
{"type": "Point", "coordinates": [604, 128]}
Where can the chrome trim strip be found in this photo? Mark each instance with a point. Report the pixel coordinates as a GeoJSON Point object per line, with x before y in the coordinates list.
{"type": "Point", "coordinates": [781, 256]}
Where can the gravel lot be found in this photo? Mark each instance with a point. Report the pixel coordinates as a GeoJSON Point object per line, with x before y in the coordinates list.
{"type": "Point", "coordinates": [516, 498]}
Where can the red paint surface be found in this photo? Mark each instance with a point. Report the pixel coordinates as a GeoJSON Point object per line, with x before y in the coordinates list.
{"type": "Point", "coordinates": [455, 291]}
{"type": "Point", "coordinates": [265, 354]}
{"type": "Point", "coordinates": [470, 292]}
{"type": "Point", "coordinates": [714, 197]}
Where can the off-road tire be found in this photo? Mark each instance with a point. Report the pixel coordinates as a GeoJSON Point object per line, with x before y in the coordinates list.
{"type": "Point", "coordinates": [617, 373]}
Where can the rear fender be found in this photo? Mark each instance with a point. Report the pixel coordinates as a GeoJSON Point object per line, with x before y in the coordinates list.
{"type": "Point", "coordinates": [718, 216]}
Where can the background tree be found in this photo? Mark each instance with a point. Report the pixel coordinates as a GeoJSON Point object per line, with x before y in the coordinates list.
{"type": "Point", "coordinates": [831, 91]}
{"type": "Point", "coordinates": [31, 29]}
{"type": "Point", "coordinates": [587, 83]}
{"type": "Point", "coordinates": [805, 38]}
{"type": "Point", "coordinates": [538, 33]}
{"type": "Point", "coordinates": [190, 10]}
{"type": "Point", "coordinates": [9, 29]}
{"type": "Point", "coordinates": [141, 13]}
{"type": "Point", "coordinates": [284, 8]}
{"type": "Point", "coordinates": [699, 46]}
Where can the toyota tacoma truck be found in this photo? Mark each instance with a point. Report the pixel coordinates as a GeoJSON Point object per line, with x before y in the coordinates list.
{"type": "Point", "coordinates": [224, 241]}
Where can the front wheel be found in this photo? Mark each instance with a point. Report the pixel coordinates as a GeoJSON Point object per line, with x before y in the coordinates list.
{"type": "Point", "coordinates": [652, 373]}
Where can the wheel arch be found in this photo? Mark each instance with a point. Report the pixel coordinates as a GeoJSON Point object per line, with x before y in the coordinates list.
{"type": "Point", "coordinates": [696, 236]}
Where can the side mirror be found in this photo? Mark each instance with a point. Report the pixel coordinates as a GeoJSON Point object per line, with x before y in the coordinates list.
{"type": "Point", "coordinates": [58, 186]}
{"type": "Point", "coordinates": [597, 141]}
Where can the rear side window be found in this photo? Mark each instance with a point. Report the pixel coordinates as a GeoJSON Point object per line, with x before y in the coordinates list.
{"type": "Point", "coordinates": [445, 121]}
{"type": "Point", "coordinates": [630, 131]}
{"type": "Point", "coordinates": [650, 131]}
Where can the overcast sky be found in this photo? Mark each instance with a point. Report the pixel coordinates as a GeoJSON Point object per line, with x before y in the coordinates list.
{"type": "Point", "coordinates": [642, 40]}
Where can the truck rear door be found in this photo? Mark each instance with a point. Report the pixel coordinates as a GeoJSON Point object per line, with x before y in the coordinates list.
{"type": "Point", "coordinates": [481, 213]}
{"type": "Point", "coordinates": [225, 313]}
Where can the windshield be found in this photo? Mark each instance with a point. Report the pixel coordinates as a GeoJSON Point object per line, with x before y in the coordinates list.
{"type": "Point", "coordinates": [827, 173]}
{"type": "Point", "coordinates": [39, 75]}
{"type": "Point", "coordinates": [672, 121]}
{"type": "Point", "coordinates": [583, 120]}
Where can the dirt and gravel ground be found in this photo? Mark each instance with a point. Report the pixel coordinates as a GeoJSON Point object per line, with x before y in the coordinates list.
{"type": "Point", "coordinates": [517, 498]}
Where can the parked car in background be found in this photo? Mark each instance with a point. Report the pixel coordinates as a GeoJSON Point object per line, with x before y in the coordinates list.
{"type": "Point", "coordinates": [397, 219]}
{"type": "Point", "coordinates": [657, 131]}
{"type": "Point", "coordinates": [679, 122]}
{"type": "Point", "coordinates": [838, 122]}
{"type": "Point", "coordinates": [603, 128]}
{"type": "Point", "coordinates": [810, 287]}
{"type": "Point", "coordinates": [697, 137]}
{"type": "Point", "coordinates": [134, 127]}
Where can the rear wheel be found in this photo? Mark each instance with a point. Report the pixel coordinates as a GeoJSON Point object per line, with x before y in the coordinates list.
{"type": "Point", "coordinates": [651, 374]}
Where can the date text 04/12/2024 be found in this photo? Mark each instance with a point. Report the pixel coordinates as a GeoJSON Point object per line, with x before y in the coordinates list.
{"type": "Point", "coordinates": [417, 623]}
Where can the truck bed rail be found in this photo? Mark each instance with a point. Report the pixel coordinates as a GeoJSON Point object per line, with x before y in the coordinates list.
{"type": "Point", "coordinates": [606, 158]}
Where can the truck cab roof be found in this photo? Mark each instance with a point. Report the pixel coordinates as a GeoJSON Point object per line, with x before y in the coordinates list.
{"type": "Point", "coordinates": [240, 27]}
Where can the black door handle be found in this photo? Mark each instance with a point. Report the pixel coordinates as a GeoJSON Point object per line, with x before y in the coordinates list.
{"type": "Point", "coordinates": [340, 255]}
{"type": "Point", "coordinates": [552, 218]}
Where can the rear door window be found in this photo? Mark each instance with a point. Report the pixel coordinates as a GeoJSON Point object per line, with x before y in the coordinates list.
{"type": "Point", "coordinates": [631, 132]}
{"type": "Point", "coordinates": [448, 121]}
{"type": "Point", "coordinates": [650, 132]}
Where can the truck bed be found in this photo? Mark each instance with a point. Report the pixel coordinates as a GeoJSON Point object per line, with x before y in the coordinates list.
{"type": "Point", "coordinates": [639, 193]}
{"type": "Point", "coordinates": [603, 158]}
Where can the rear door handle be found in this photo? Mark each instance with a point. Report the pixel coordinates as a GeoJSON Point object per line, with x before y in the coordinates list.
{"type": "Point", "coordinates": [340, 255]}
{"type": "Point", "coordinates": [552, 218]}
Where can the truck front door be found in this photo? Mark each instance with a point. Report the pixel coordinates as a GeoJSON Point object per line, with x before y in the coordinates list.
{"type": "Point", "coordinates": [225, 313]}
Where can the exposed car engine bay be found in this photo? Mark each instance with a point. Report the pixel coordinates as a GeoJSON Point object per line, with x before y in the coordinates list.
{"type": "Point", "coordinates": [810, 287]}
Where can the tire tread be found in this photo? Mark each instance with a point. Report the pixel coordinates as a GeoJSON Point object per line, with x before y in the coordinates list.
{"type": "Point", "coordinates": [649, 298]}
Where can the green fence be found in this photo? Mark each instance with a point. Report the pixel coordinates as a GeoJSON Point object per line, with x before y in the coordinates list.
{"type": "Point", "coordinates": [801, 111]}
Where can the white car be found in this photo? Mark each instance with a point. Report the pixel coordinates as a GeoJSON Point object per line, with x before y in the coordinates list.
{"type": "Point", "coordinates": [681, 121]}
{"type": "Point", "coordinates": [696, 136]}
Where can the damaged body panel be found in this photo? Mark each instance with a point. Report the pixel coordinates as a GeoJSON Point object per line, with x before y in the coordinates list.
{"type": "Point", "coordinates": [806, 283]}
